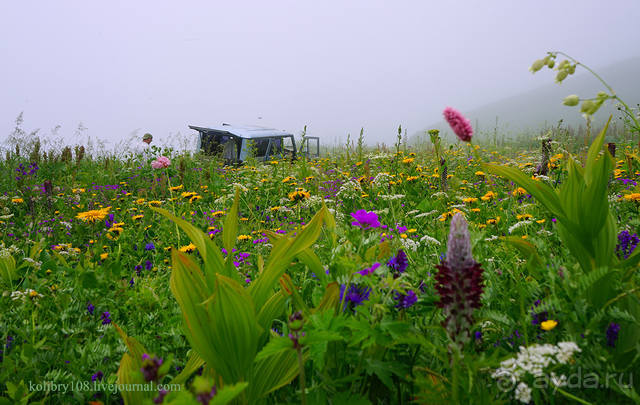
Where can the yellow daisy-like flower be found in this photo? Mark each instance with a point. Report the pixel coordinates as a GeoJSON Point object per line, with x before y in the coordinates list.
{"type": "Point", "coordinates": [412, 178]}
{"type": "Point", "coordinates": [217, 214]}
{"type": "Point", "coordinates": [408, 160]}
{"type": "Point", "coordinates": [479, 173]}
{"type": "Point", "coordinates": [288, 179]}
{"type": "Point", "coordinates": [299, 195]}
{"type": "Point", "coordinates": [488, 196]}
{"type": "Point", "coordinates": [176, 188]}
{"type": "Point", "coordinates": [244, 237]}
{"type": "Point", "coordinates": [93, 215]}
{"type": "Point", "coordinates": [137, 217]}
{"type": "Point", "coordinates": [155, 203]}
{"type": "Point", "coordinates": [17, 200]}
{"type": "Point", "coordinates": [103, 256]}
{"type": "Point", "coordinates": [524, 217]}
{"type": "Point", "coordinates": [33, 294]}
{"type": "Point", "coordinates": [632, 197]}
{"type": "Point", "coordinates": [188, 249]}
{"type": "Point", "coordinates": [469, 200]}
{"type": "Point", "coordinates": [493, 221]}
{"type": "Point", "coordinates": [188, 194]}
{"type": "Point", "coordinates": [548, 325]}
{"type": "Point", "coordinates": [518, 192]}
{"type": "Point", "coordinates": [195, 198]}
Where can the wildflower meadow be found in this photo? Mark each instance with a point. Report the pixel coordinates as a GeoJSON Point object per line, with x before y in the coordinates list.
{"type": "Point", "coordinates": [455, 270]}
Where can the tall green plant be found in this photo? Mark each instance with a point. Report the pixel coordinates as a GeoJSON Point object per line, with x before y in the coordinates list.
{"type": "Point", "coordinates": [228, 325]}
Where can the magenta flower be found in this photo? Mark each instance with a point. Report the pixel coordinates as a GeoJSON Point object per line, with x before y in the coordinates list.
{"type": "Point", "coordinates": [460, 125]}
{"type": "Point", "coordinates": [365, 220]}
{"type": "Point", "coordinates": [369, 270]}
{"type": "Point", "coordinates": [161, 163]}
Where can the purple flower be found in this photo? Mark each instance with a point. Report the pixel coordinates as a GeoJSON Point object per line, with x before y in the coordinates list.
{"type": "Point", "coordinates": [369, 270]}
{"type": "Point", "coordinates": [138, 269]}
{"type": "Point", "coordinates": [160, 398]}
{"type": "Point", "coordinates": [612, 334]}
{"type": "Point", "coordinates": [205, 397]}
{"type": "Point", "coordinates": [90, 308]}
{"type": "Point", "coordinates": [150, 367]}
{"type": "Point", "coordinates": [399, 262]}
{"type": "Point", "coordinates": [97, 376]}
{"type": "Point", "coordinates": [106, 318]}
{"type": "Point", "coordinates": [538, 317]}
{"type": "Point", "coordinates": [131, 282]}
{"type": "Point", "coordinates": [365, 220]}
{"type": "Point", "coordinates": [149, 246]}
{"type": "Point", "coordinates": [460, 125]}
{"type": "Point", "coordinates": [627, 243]}
{"type": "Point", "coordinates": [148, 265]}
{"type": "Point", "coordinates": [354, 296]}
{"type": "Point", "coordinates": [405, 300]}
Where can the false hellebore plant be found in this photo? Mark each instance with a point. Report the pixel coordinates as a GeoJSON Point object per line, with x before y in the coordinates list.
{"type": "Point", "coordinates": [459, 283]}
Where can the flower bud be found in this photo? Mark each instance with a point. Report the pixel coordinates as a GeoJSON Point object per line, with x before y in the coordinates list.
{"type": "Point", "coordinates": [589, 107]}
{"type": "Point", "coordinates": [561, 76]}
{"type": "Point", "coordinates": [571, 100]}
{"type": "Point", "coordinates": [571, 69]}
{"type": "Point", "coordinates": [537, 65]}
{"type": "Point", "coordinates": [551, 63]}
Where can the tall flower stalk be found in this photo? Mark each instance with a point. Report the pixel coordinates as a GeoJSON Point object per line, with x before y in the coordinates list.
{"type": "Point", "coordinates": [459, 283]}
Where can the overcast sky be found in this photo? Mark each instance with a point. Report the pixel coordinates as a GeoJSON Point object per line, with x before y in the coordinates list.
{"type": "Point", "coordinates": [158, 66]}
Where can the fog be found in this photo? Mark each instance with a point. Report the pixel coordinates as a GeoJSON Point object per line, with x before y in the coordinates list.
{"type": "Point", "coordinates": [129, 67]}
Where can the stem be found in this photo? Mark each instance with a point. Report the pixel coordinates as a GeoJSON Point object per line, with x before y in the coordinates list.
{"type": "Point", "coordinates": [605, 84]}
{"type": "Point", "coordinates": [173, 207]}
{"type": "Point", "coordinates": [303, 397]}
{"type": "Point", "coordinates": [570, 396]}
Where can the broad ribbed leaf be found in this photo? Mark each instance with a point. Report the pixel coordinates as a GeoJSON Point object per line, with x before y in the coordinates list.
{"type": "Point", "coordinates": [187, 286]}
{"type": "Point", "coordinates": [234, 329]}
{"type": "Point", "coordinates": [193, 364]}
{"type": "Point", "coordinates": [272, 373]}
{"type": "Point", "coordinates": [540, 191]}
{"type": "Point", "coordinates": [208, 250]}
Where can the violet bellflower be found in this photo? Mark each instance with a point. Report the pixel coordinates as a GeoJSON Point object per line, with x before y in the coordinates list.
{"type": "Point", "coordinates": [627, 243]}
{"type": "Point", "coordinates": [398, 263]}
{"type": "Point", "coordinates": [354, 296]}
{"type": "Point", "coordinates": [459, 283]}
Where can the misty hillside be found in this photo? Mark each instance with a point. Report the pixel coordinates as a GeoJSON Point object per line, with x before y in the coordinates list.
{"type": "Point", "coordinates": [532, 110]}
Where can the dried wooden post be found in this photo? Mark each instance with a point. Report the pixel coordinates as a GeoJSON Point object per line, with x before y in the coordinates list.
{"type": "Point", "coordinates": [543, 167]}
{"type": "Point", "coordinates": [612, 148]}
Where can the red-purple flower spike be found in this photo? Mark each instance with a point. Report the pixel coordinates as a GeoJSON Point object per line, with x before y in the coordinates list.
{"type": "Point", "coordinates": [460, 125]}
{"type": "Point", "coordinates": [459, 283]}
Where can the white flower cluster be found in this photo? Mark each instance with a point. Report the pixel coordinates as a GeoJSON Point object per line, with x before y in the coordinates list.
{"type": "Point", "coordinates": [350, 189]}
{"type": "Point", "coordinates": [34, 263]}
{"type": "Point", "coordinates": [391, 197]}
{"type": "Point", "coordinates": [381, 181]}
{"type": "Point", "coordinates": [24, 295]}
{"type": "Point", "coordinates": [426, 214]}
{"type": "Point", "coordinates": [533, 360]}
{"type": "Point", "coordinates": [410, 244]}
{"type": "Point", "coordinates": [8, 251]}
{"type": "Point", "coordinates": [519, 225]}
{"type": "Point", "coordinates": [6, 216]}
{"type": "Point", "coordinates": [312, 202]}
{"type": "Point", "coordinates": [429, 240]}
{"type": "Point", "coordinates": [241, 187]}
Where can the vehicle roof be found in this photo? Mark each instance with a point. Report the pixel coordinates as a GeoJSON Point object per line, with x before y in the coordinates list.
{"type": "Point", "coordinates": [244, 131]}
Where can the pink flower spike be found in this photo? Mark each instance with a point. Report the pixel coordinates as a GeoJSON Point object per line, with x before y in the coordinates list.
{"type": "Point", "coordinates": [161, 163]}
{"type": "Point", "coordinates": [460, 125]}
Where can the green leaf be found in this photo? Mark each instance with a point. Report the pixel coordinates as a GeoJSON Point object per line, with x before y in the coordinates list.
{"type": "Point", "coordinates": [275, 346]}
{"type": "Point", "coordinates": [271, 373]}
{"type": "Point", "coordinates": [528, 249]}
{"type": "Point", "coordinates": [208, 250]}
{"type": "Point", "coordinates": [283, 251]}
{"type": "Point", "coordinates": [193, 364]}
{"type": "Point", "coordinates": [188, 287]}
{"type": "Point", "coordinates": [540, 191]}
{"type": "Point", "coordinates": [227, 393]}
{"type": "Point", "coordinates": [234, 329]}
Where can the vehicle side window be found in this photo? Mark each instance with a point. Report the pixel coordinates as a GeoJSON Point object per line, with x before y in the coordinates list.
{"type": "Point", "coordinates": [260, 146]}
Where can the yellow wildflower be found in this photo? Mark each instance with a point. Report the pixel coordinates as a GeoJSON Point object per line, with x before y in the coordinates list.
{"type": "Point", "coordinates": [548, 325]}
